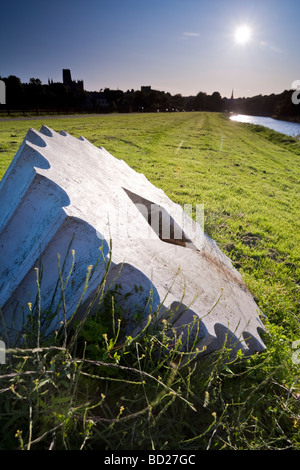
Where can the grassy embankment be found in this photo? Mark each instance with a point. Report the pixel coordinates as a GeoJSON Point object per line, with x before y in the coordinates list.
{"type": "Point", "coordinates": [248, 179]}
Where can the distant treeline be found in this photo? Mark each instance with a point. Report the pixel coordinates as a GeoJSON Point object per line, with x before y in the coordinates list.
{"type": "Point", "coordinates": [36, 96]}
{"type": "Point", "coordinates": [61, 98]}
{"type": "Point", "coordinates": [280, 106]}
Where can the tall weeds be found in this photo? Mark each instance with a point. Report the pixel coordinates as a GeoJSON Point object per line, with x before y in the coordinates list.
{"type": "Point", "coordinates": [91, 386]}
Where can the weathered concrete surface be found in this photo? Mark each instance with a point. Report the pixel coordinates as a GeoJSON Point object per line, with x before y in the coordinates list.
{"type": "Point", "coordinates": [59, 188]}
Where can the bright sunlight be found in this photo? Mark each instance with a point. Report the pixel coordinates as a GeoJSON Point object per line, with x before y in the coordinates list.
{"type": "Point", "coordinates": [242, 34]}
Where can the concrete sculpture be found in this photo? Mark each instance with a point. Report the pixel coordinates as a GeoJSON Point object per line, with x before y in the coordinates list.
{"type": "Point", "coordinates": [61, 194]}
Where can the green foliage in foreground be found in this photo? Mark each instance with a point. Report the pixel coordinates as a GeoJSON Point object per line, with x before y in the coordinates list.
{"type": "Point", "coordinates": [89, 386]}
{"type": "Point", "coordinates": [94, 387]}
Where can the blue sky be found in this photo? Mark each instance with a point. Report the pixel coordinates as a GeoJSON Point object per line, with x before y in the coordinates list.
{"type": "Point", "coordinates": [180, 46]}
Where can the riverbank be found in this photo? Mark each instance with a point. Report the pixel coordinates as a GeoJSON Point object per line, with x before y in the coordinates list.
{"type": "Point", "coordinates": [247, 177]}
{"type": "Point", "coordinates": [289, 128]}
{"type": "Point", "coordinates": [295, 119]}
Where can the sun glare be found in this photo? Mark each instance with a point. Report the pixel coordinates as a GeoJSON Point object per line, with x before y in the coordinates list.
{"type": "Point", "coordinates": [242, 34]}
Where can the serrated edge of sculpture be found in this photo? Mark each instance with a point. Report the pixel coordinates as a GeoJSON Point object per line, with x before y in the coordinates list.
{"type": "Point", "coordinates": [61, 194]}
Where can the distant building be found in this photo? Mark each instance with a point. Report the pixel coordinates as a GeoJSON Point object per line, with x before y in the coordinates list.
{"type": "Point", "coordinates": [72, 84]}
{"type": "Point", "coordinates": [229, 103]}
{"type": "Point", "coordinates": [96, 100]}
{"type": "Point", "coordinates": [146, 89]}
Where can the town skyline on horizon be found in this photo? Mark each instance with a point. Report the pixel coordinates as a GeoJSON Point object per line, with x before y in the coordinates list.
{"type": "Point", "coordinates": [170, 45]}
{"type": "Point", "coordinates": [80, 82]}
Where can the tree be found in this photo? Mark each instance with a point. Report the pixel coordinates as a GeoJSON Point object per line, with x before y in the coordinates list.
{"type": "Point", "coordinates": [199, 103]}
{"type": "Point", "coordinates": [35, 81]}
{"type": "Point", "coordinates": [34, 94]}
{"type": "Point", "coordinates": [215, 103]}
{"type": "Point", "coordinates": [14, 93]}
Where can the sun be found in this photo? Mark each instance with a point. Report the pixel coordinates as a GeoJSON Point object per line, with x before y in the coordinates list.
{"type": "Point", "coordinates": [242, 34]}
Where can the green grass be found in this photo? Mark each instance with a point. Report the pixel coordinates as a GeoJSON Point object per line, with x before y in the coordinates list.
{"type": "Point", "coordinates": [247, 177]}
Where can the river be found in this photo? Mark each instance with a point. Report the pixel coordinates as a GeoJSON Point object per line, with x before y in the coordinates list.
{"type": "Point", "coordinates": [288, 128]}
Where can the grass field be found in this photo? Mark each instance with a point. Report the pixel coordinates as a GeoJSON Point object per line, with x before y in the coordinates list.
{"type": "Point", "coordinates": [247, 178]}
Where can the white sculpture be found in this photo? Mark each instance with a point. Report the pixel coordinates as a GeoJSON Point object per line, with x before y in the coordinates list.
{"type": "Point", "coordinates": [60, 190]}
